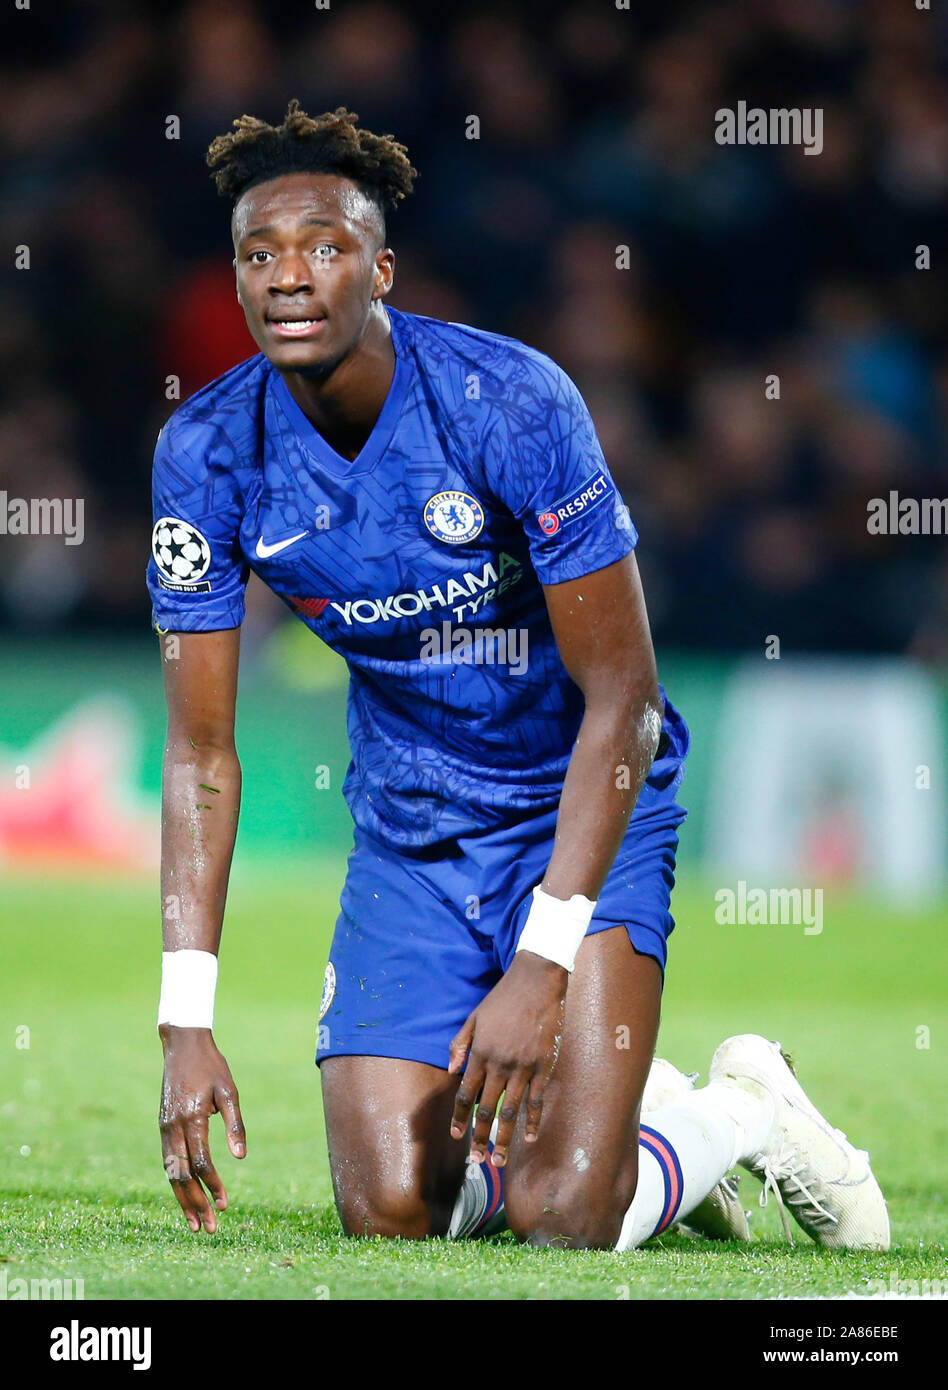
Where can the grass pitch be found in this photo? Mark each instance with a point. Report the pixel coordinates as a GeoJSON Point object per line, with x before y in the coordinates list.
{"type": "Point", "coordinates": [82, 1190]}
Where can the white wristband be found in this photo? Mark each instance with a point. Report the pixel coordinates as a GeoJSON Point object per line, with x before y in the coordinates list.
{"type": "Point", "coordinates": [188, 985]}
{"type": "Point", "coordinates": [555, 927]}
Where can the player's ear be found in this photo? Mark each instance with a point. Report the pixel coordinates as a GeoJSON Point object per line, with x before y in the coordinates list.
{"type": "Point", "coordinates": [384, 273]}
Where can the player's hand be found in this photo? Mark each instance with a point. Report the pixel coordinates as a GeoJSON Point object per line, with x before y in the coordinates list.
{"type": "Point", "coordinates": [511, 1041]}
{"type": "Point", "coordinates": [197, 1084]}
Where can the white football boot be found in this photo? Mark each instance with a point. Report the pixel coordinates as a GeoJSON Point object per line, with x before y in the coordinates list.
{"type": "Point", "coordinates": [720, 1216]}
{"type": "Point", "coordinates": [810, 1167]}
{"type": "Point", "coordinates": [482, 1191]}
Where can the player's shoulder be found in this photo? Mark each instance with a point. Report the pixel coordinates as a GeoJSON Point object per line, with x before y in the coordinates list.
{"type": "Point", "coordinates": [500, 362]}
{"type": "Point", "coordinates": [218, 422]}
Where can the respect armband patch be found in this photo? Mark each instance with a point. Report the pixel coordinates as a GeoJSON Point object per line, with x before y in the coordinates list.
{"type": "Point", "coordinates": [575, 504]}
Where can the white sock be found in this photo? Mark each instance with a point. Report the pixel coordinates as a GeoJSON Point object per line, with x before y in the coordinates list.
{"type": "Point", "coordinates": [686, 1148]}
{"type": "Point", "coordinates": [750, 1106]}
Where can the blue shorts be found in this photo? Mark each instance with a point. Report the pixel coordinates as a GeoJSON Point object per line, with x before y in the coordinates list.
{"type": "Point", "coordinates": [421, 938]}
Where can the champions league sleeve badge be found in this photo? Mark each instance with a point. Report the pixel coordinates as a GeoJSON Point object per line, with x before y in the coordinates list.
{"type": "Point", "coordinates": [454, 517]}
{"type": "Point", "coordinates": [182, 554]}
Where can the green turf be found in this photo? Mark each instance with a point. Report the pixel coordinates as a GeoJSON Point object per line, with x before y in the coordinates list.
{"type": "Point", "coordinates": [89, 1199]}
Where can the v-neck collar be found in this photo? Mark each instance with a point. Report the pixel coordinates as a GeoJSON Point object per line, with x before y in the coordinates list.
{"type": "Point", "coordinates": [384, 427]}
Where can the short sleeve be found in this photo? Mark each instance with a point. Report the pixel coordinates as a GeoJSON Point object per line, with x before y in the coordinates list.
{"type": "Point", "coordinates": [544, 461]}
{"type": "Point", "coordinates": [197, 574]}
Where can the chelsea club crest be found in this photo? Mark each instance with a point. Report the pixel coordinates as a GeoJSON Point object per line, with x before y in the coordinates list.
{"type": "Point", "coordinates": [454, 517]}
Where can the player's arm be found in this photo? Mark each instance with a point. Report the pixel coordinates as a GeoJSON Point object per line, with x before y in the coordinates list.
{"type": "Point", "coordinates": [602, 633]}
{"type": "Point", "coordinates": [200, 806]}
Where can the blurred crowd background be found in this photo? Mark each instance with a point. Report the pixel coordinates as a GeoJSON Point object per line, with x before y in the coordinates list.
{"type": "Point", "coordinates": [596, 131]}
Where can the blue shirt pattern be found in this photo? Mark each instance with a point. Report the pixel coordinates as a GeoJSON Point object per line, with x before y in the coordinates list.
{"type": "Point", "coordinates": [482, 478]}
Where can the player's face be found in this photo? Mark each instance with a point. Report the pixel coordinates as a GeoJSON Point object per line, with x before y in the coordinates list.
{"type": "Point", "coordinates": [308, 268]}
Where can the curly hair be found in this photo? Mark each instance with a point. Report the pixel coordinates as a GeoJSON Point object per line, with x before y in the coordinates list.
{"type": "Point", "coordinates": [328, 144]}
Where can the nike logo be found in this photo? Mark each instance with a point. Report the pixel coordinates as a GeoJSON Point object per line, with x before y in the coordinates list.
{"type": "Point", "coordinates": [264, 551]}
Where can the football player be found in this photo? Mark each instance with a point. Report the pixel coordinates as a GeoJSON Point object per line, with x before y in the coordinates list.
{"type": "Point", "coordinates": [432, 501]}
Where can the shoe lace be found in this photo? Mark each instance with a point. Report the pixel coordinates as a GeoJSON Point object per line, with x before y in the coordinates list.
{"type": "Point", "coordinates": [785, 1166]}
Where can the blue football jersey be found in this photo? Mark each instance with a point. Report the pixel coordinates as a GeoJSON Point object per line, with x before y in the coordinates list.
{"type": "Point", "coordinates": [482, 478]}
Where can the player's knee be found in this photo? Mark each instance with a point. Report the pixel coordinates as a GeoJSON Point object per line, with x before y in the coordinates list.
{"type": "Point", "coordinates": [390, 1213]}
{"type": "Point", "coordinates": [570, 1211]}
{"type": "Point", "coordinates": [568, 1227]}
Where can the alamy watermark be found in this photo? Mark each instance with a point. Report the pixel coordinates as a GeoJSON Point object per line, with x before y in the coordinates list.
{"type": "Point", "coordinates": [78, 1343]}
{"type": "Point", "coordinates": [479, 646]}
{"type": "Point", "coordinates": [773, 907]}
{"type": "Point", "coordinates": [907, 516]}
{"type": "Point", "coordinates": [907, 1288]}
{"type": "Point", "coordinates": [19, 1288]}
{"type": "Point", "coordinates": [783, 125]}
{"type": "Point", "coordinates": [43, 516]}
